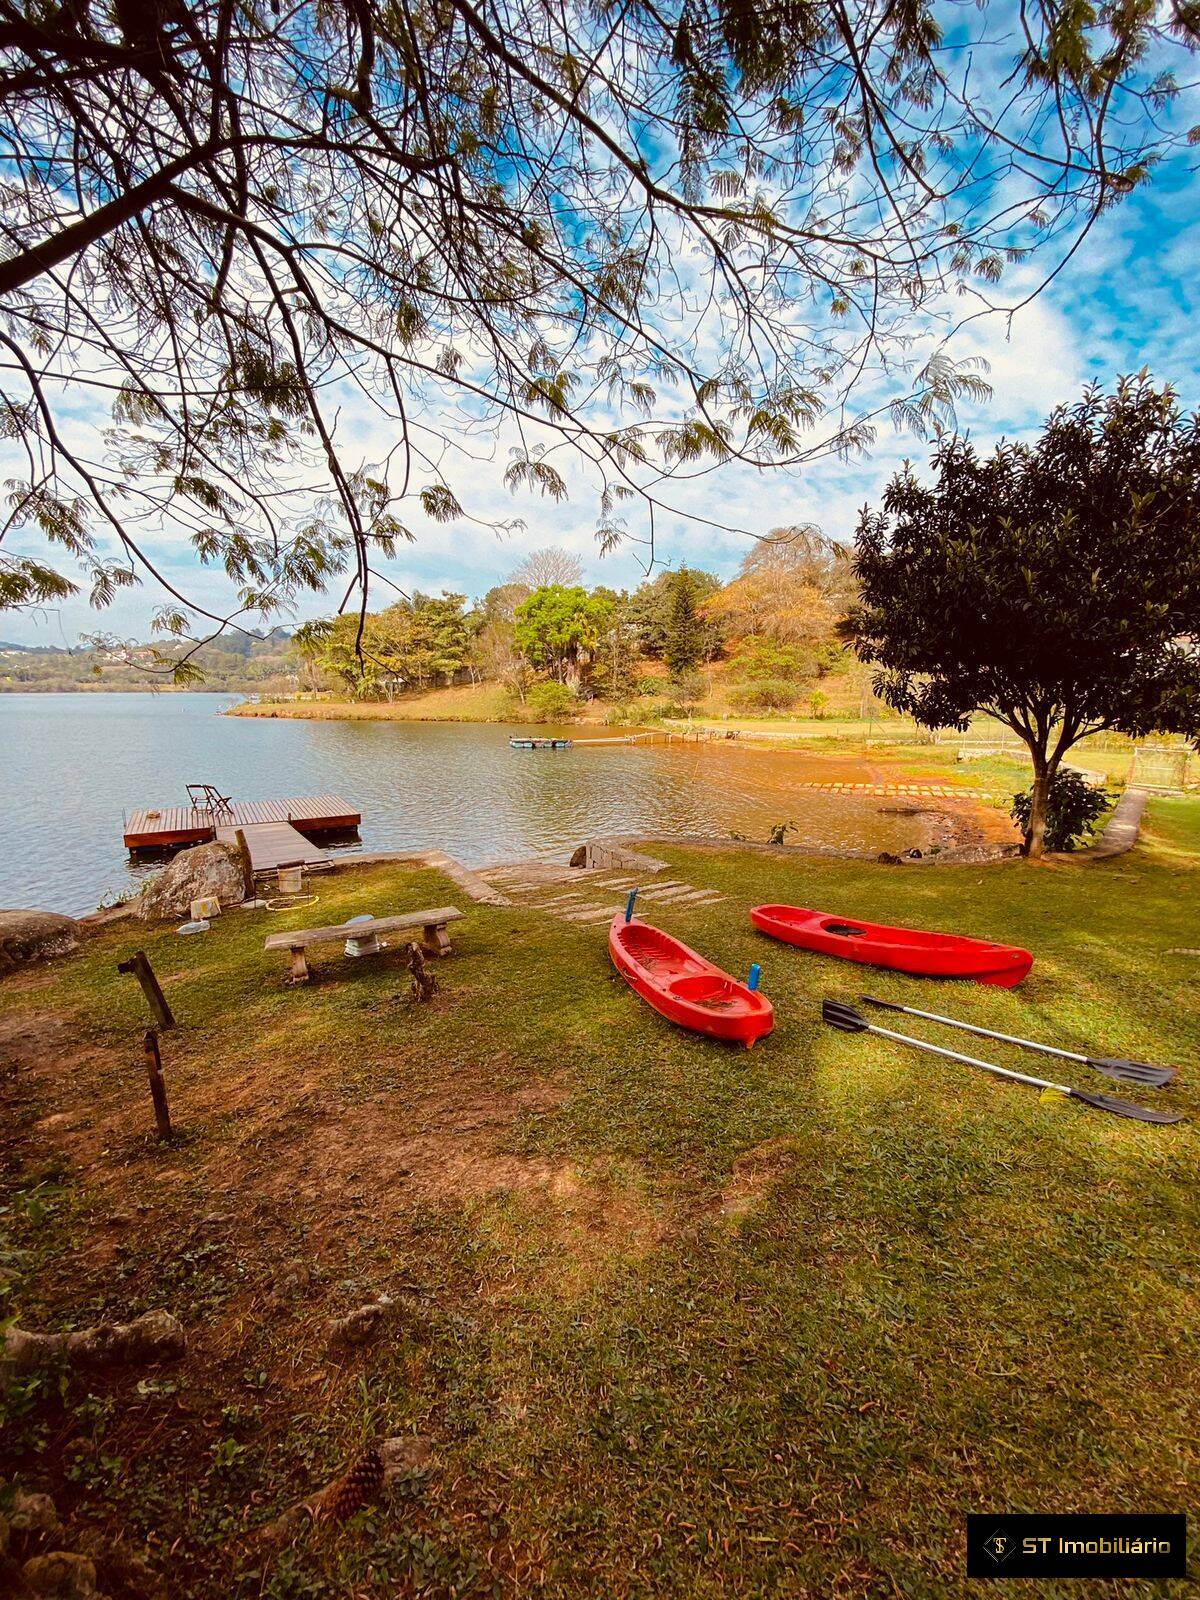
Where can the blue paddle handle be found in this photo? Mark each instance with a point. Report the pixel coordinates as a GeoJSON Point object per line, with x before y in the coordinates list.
{"type": "Point", "coordinates": [633, 894]}
{"type": "Point", "coordinates": [755, 975]}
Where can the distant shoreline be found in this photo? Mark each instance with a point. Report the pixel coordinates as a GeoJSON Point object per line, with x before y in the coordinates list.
{"type": "Point", "coordinates": [116, 688]}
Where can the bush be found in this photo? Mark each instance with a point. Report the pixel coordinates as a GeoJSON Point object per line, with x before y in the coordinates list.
{"type": "Point", "coordinates": [688, 689]}
{"type": "Point", "coordinates": [648, 685]}
{"type": "Point", "coordinates": [550, 702]}
{"type": "Point", "coordinates": [764, 694]}
{"type": "Point", "coordinates": [1073, 808]}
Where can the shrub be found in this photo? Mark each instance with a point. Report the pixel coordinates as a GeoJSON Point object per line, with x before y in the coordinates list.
{"type": "Point", "coordinates": [550, 702]}
{"type": "Point", "coordinates": [764, 694]}
{"type": "Point", "coordinates": [689, 688]}
{"type": "Point", "coordinates": [648, 685]}
{"type": "Point", "coordinates": [1073, 808]}
{"type": "Point", "coordinates": [818, 703]}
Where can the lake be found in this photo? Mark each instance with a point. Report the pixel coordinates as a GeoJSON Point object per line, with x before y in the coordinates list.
{"type": "Point", "coordinates": [71, 765]}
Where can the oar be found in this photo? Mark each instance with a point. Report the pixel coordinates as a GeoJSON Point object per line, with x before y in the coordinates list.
{"type": "Point", "coordinates": [852, 1021]}
{"type": "Point", "coordinates": [1113, 1066]}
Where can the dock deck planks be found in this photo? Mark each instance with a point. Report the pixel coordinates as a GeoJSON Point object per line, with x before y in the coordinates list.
{"type": "Point", "coordinates": [274, 844]}
{"type": "Point", "coordinates": [171, 826]}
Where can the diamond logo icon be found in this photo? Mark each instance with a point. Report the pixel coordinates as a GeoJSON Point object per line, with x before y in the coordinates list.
{"type": "Point", "coordinates": [999, 1546]}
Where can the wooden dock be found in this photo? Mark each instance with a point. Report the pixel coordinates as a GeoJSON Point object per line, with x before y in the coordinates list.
{"type": "Point", "coordinates": [277, 831]}
{"type": "Point", "coordinates": [274, 844]}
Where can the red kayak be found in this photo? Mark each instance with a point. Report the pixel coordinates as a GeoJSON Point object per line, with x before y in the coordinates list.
{"type": "Point", "coordinates": [929, 955]}
{"type": "Point", "coordinates": [684, 987]}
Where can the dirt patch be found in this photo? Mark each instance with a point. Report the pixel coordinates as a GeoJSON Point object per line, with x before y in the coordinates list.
{"type": "Point", "coordinates": [754, 1174]}
{"type": "Point", "coordinates": [453, 1149]}
{"type": "Point", "coordinates": [291, 1147]}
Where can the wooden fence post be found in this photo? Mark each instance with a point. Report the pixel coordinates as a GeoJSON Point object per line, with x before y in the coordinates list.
{"type": "Point", "coordinates": [144, 974]}
{"type": "Point", "coordinates": [158, 1087]}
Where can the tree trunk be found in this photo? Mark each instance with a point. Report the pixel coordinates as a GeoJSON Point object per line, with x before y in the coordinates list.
{"type": "Point", "coordinates": [1035, 835]}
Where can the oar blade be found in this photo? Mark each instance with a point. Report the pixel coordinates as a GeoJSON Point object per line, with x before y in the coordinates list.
{"type": "Point", "coordinates": [842, 1016]}
{"type": "Point", "coordinates": [1132, 1071]}
{"type": "Point", "coordinates": [1125, 1108]}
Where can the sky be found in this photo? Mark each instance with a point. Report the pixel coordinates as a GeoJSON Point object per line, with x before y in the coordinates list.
{"type": "Point", "coordinates": [1127, 300]}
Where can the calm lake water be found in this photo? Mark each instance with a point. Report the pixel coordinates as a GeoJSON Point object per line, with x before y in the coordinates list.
{"type": "Point", "coordinates": [72, 764]}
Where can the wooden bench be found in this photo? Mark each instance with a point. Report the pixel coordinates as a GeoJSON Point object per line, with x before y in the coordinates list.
{"type": "Point", "coordinates": [432, 923]}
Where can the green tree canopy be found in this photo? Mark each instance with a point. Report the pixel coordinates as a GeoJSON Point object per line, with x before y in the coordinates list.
{"type": "Point", "coordinates": [683, 645]}
{"type": "Point", "coordinates": [559, 629]}
{"type": "Point", "coordinates": [411, 645]}
{"type": "Point", "coordinates": [1054, 585]}
{"type": "Point", "coordinates": [652, 605]}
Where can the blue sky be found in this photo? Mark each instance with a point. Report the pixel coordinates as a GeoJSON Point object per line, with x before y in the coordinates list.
{"type": "Point", "coordinates": [1128, 299]}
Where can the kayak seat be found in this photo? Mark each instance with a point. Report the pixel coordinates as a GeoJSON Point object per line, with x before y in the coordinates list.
{"type": "Point", "coordinates": [847, 930]}
{"type": "Point", "coordinates": [704, 990]}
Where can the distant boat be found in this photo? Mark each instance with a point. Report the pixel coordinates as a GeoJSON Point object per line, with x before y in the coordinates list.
{"type": "Point", "coordinates": [540, 744]}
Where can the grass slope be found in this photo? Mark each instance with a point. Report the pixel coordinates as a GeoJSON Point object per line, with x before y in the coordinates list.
{"type": "Point", "coordinates": [674, 1319]}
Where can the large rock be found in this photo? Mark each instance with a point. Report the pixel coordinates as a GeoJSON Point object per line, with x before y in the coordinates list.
{"type": "Point", "coordinates": [34, 936]}
{"type": "Point", "coordinates": [62, 1575]}
{"type": "Point", "coordinates": [205, 869]}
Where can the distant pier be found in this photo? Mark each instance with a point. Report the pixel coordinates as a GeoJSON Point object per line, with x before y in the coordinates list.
{"type": "Point", "coordinates": [278, 832]}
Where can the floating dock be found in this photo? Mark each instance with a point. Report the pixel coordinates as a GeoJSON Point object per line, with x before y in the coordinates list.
{"type": "Point", "coordinates": [278, 832]}
{"type": "Point", "coordinates": [541, 744]}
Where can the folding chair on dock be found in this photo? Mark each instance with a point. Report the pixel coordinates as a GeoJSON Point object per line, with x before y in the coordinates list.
{"type": "Point", "coordinates": [203, 797]}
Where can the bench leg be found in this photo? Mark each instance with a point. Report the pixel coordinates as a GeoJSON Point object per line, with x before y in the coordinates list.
{"type": "Point", "coordinates": [436, 939]}
{"type": "Point", "coordinates": [300, 972]}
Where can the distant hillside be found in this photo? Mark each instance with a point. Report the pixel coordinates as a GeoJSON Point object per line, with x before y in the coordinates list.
{"type": "Point", "coordinates": [256, 663]}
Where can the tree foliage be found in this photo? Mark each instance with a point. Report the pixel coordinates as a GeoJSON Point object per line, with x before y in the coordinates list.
{"type": "Point", "coordinates": [793, 587]}
{"type": "Point", "coordinates": [414, 644]}
{"type": "Point", "coordinates": [652, 608]}
{"type": "Point", "coordinates": [1054, 585]}
{"type": "Point", "coordinates": [1073, 808]}
{"type": "Point", "coordinates": [683, 645]}
{"type": "Point", "coordinates": [559, 629]}
{"type": "Point", "coordinates": [232, 233]}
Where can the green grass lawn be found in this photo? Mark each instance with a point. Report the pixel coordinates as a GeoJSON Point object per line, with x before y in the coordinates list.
{"type": "Point", "coordinates": [675, 1319]}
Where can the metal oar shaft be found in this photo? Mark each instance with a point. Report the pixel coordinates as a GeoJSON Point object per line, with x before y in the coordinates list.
{"type": "Point", "coordinates": [970, 1061]}
{"type": "Point", "coordinates": [991, 1033]}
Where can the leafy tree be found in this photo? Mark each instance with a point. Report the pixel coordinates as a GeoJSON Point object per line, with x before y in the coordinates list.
{"type": "Point", "coordinates": [652, 606]}
{"type": "Point", "coordinates": [241, 227]}
{"type": "Point", "coordinates": [558, 630]}
{"type": "Point", "coordinates": [410, 645]}
{"type": "Point", "coordinates": [794, 587]}
{"type": "Point", "coordinates": [616, 653]}
{"type": "Point", "coordinates": [550, 702]}
{"type": "Point", "coordinates": [684, 642]}
{"type": "Point", "coordinates": [1054, 585]}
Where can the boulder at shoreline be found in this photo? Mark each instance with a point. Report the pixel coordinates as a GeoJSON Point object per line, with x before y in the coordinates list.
{"type": "Point", "coordinates": [35, 936]}
{"type": "Point", "coordinates": [206, 869]}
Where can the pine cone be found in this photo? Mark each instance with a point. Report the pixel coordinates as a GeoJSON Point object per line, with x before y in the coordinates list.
{"type": "Point", "coordinates": [360, 1484]}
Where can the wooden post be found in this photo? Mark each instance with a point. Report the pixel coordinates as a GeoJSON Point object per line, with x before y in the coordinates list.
{"type": "Point", "coordinates": [248, 888]}
{"type": "Point", "coordinates": [144, 974]}
{"type": "Point", "coordinates": [158, 1088]}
